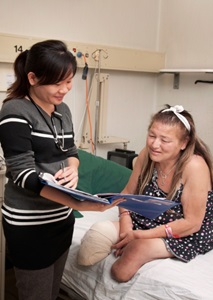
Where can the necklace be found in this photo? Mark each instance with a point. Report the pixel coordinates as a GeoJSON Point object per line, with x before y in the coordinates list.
{"type": "Point", "coordinates": [164, 175]}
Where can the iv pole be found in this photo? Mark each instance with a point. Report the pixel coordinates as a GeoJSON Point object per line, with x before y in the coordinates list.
{"type": "Point", "coordinates": [97, 104]}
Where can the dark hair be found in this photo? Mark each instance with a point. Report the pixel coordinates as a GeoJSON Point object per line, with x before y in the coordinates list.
{"type": "Point", "coordinates": [50, 61]}
{"type": "Point", "coordinates": [194, 146]}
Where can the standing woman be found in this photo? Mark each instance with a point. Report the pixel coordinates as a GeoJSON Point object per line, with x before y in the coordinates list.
{"type": "Point", "coordinates": [36, 134]}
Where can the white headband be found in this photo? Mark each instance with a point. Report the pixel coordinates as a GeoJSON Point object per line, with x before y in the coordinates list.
{"type": "Point", "coordinates": [177, 109]}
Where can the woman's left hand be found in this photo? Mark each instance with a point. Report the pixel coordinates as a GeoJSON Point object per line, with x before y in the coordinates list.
{"type": "Point", "coordinates": [67, 177]}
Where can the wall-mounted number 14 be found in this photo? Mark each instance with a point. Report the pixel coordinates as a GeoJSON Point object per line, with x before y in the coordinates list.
{"type": "Point", "coordinates": [18, 48]}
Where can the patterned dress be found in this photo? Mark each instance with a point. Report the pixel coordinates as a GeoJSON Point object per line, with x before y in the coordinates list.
{"type": "Point", "coordinates": [184, 248]}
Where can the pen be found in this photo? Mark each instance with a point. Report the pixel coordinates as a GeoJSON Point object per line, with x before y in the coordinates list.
{"type": "Point", "coordinates": [63, 166]}
{"type": "Point", "coordinates": [63, 169]}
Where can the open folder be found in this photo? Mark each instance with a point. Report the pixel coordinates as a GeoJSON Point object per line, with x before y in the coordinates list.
{"type": "Point", "coordinates": [148, 206]}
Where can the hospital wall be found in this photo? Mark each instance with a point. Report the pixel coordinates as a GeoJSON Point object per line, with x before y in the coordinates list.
{"type": "Point", "coordinates": [186, 28]}
{"type": "Point", "coordinates": [169, 26]}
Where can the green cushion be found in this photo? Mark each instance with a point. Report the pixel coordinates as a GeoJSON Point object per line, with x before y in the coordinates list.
{"type": "Point", "coordinates": [99, 175]}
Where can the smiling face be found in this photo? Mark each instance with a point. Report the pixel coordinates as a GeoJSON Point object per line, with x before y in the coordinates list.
{"type": "Point", "coordinates": [47, 96]}
{"type": "Point", "coordinates": [164, 142]}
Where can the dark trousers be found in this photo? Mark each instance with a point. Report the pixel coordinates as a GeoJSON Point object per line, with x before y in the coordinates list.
{"type": "Point", "coordinates": [43, 284]}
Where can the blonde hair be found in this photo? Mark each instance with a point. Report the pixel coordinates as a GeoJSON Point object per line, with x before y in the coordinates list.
{"type": "Point", "coordinates": [194, 146]}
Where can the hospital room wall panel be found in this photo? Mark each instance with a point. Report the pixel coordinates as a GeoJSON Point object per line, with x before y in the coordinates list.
{"type": "Point", "coordinates": [181, 32]}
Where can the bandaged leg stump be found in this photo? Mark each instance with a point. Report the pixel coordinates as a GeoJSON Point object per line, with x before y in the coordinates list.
{"type": "Point", "coordinates": [97, 242]}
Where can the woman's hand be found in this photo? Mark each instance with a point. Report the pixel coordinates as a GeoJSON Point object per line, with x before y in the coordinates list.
{"type": "Point", "coordinates": [125, 238]}
{"type": "Point", "coordinates": [63, 198]}
{"type": "Point", "coordinates": [68, 177]}
{"type": "Point", "coordinates": [96, 206]}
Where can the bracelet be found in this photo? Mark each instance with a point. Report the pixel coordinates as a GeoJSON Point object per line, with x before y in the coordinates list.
{"type": "Point", "coordinates": [169, 233]}
{"type": "Point", "coordinates": [168, 230]}
{"type": "Point", "coordinates": [126, 212]}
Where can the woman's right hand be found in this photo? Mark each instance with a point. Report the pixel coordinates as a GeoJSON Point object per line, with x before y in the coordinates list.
{"type": "Point", "coordinates": [124, 239]}
{"type": "Point", "coordinates": [96, 206]}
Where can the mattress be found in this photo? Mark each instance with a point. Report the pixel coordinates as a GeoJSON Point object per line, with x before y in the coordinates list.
{"type": "Point", "coordinates": [161, 279]}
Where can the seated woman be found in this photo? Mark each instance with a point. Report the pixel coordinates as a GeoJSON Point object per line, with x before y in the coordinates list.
{"type": "Point", "coordinates": [175, 164]}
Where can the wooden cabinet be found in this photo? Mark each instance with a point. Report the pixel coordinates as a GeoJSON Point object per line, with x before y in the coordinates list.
{"type": "Point", "coordinates": [2, 240]}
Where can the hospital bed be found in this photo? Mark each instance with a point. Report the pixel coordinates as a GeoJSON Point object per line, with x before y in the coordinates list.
{"type": "Point", "coordinates": [160, 279]}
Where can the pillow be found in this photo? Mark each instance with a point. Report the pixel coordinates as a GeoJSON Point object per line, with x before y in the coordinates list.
{"type": "Point", "coordinates": [99, 175]}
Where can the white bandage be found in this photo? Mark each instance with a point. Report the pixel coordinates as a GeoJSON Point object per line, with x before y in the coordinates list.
{"type": "Point", "coordinates": [97, 242]}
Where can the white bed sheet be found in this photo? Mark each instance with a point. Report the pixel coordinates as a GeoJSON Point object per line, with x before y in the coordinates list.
{"type": "Point", "coordinates": [161, 279]}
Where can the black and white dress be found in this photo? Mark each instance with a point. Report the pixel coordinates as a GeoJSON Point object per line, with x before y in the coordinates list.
{"type": "Point", "coordinates": [184, 248]}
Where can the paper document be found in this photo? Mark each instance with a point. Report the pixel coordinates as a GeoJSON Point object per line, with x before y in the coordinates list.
{"type": "Point", "coordinates": [49, 180]}
{"type": "Point", "coordinates": [148, 206]}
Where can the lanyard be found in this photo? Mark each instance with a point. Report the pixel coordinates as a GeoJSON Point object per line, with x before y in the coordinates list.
{"type": "Point", "coordinates": [59, 142]}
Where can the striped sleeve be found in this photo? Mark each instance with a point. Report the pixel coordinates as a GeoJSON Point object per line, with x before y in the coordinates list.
{"type": "Point", "coordinates": [15, 138]}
